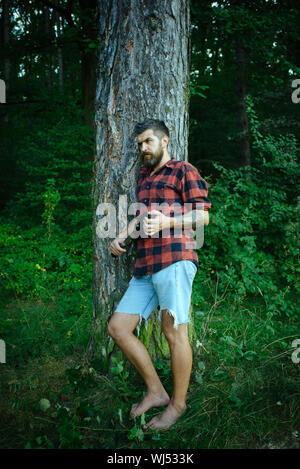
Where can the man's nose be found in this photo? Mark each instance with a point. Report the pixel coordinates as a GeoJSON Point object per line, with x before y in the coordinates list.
{"type": "Point", "coordinates": [144, 147]}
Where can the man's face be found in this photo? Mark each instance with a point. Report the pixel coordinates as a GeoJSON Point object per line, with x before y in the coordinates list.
{"type": "Point", "coordinates": [151, 148]}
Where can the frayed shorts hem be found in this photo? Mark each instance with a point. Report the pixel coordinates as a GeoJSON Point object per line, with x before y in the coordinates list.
{"type": "Point", "coordinates": [170, 288]}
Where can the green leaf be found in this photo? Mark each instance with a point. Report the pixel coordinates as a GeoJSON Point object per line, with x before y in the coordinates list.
{"type": "Point", "coordinates": [219, 375]}
{"type": "Point", "coordinates": [229, 340]}
{"type": "Point", "coordinates": [250, 355]}
{"type": "Point", "coordinates": [137, 433]}
{"type": "Point", "coordinates": [143, 420]}
{"type": "Point", "coordinates": [201, 366]}
{"type": "Point", "coordinates": [44, 404]}
{"type": "Point", "coordinates": [198, 377]}
{"type": "Point", "coordinates": [75, 268]}
{"type": "Point", "coordinates": [116, 370]}
{"type": "Point", "coordinates": [236, 401]}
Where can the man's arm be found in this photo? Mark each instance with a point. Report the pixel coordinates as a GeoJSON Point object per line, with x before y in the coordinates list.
{"type": "Point", "coordinates": [159, 221]}
{"type": "Point", "coordinates": [115, 245]}
{"type": "Point", "coordinates": [193, 219]}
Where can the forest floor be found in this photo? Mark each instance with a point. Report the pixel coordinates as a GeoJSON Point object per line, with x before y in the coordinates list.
{"type": "Point", "coordinates": [236, 400]}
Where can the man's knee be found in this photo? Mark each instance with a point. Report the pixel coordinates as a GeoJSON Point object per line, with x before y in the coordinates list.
{"type": "Point", "coordinates": [119, 327]}
{"type": "Point", "coordinates": [173, 335]}
{"type": "Point", "coordinates": [110, 328]}
{"type": "Point", "coordinates": [114, 328]}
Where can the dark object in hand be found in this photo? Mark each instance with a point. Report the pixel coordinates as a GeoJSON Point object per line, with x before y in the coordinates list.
{"type": "Point", "coordinates": [123, 245]}
{"type": "Point", "coordinates": [127, 241]}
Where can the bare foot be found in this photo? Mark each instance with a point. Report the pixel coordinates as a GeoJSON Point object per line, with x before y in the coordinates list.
{"type": "Point", "coordinates": [166, 419]}
{"type": "Point", "coordinates": [149, 401]}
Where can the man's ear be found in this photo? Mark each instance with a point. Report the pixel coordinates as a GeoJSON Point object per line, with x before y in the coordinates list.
{"type": "Point", "coordinates": [165, 139]}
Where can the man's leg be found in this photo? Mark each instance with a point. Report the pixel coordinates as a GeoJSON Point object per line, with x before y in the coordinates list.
{"type": "Point", "coordinates": [181, 360]}
{"type": "Point", "coordinates": [120, 328]}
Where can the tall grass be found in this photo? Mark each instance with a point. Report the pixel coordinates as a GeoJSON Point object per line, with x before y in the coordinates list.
{"type": "Point", "coordinates": [244, 390]}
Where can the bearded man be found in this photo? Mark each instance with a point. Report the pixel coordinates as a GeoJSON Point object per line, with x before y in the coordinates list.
{"type": "Point", "coordinates": [164, 270]}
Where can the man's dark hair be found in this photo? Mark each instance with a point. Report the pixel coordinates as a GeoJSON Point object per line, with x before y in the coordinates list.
{"type": "Point", "coordinates": [159, 127]}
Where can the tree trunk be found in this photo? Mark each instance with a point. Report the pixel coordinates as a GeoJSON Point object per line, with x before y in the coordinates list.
{"type": "Point", "coordinates": [215, 59]}
{"type": "Point", "coordinates": [243, 125]}
{"type": "Point", "coordinates": [58, 21]}
{"type": "Point", "coordinates": [48, 77]}
{"type": "Point", "coordinates": [143, 73]}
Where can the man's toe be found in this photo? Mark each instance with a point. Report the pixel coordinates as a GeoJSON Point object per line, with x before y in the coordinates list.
{"type": "Point", "coordinates": [133, 409]}
{"type": "Point", "coordinates": [150, 425]}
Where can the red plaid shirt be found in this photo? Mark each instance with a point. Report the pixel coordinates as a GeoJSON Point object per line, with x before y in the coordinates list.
{"type": "Point", "coordinates": [176, 182]}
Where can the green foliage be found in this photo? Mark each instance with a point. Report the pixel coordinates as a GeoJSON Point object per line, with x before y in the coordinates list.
{"type": "Point", "coordinates": [245, 288]}
{"type": "Point", "coordinates": [51, 199]}
{"type": "Point", "coordinates": [268, 33]}
{"type": "Point", "coordinates": [48, 282]}
{"type": "Point", "coordinates": [251, 243]}
{"type": "Point", "coordinates": [243, 383]}
{"type": "Point", "coordinates": [244, 390]}
{"type": "Point", "coordinates": [56, 166]}
{"type": "Point", "coordinates": [38, 263]}
{"type": "Point", "coordinates": [47, 267]}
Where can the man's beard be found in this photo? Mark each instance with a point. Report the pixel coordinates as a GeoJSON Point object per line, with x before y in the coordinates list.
{"type": "Point", "coordinates": [154, 159]}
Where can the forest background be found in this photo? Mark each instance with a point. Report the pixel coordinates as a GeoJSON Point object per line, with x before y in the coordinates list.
{"type": "Point", "coordinates": [244, 140]}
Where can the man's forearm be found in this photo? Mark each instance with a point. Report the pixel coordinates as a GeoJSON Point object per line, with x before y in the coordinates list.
{"type": "Point", "coordinates": [193, 219]}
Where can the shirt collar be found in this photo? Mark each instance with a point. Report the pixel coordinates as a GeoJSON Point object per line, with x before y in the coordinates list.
{"type": "Point", "coordinates": [171, 161]}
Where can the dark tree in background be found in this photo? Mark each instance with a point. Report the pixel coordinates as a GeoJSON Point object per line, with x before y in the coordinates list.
{"type": "Point", "coordinates": [240, 48]}
{"type": "Point", "coordinates": [143, 73]}
{"type": "Point", "coordinates": [84, 32]}
{"type": "Point", "coordinates": [48, 58]}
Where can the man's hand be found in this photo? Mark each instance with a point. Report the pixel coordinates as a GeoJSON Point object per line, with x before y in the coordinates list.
{"type": "Point", "coordinates": [156, 223]}
{"type": "Point", "coordinates": [116, 248]}
{"type": "Point", "coordinates": [159, 221]}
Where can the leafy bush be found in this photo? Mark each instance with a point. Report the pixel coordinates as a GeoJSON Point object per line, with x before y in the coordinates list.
{"type": "Point", "coordinates": [61, 150]}
{"type": "Point", "coordinates": [34, 267]}
{"type": "Point", "coordinates": [251, 242]}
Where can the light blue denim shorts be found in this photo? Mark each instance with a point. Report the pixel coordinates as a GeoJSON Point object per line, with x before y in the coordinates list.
{"type": "Point", "coordinates": [170, 288]}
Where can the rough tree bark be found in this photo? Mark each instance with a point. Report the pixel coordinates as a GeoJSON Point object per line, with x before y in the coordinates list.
{"type": "Point", "coordinates": [143, 73]}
